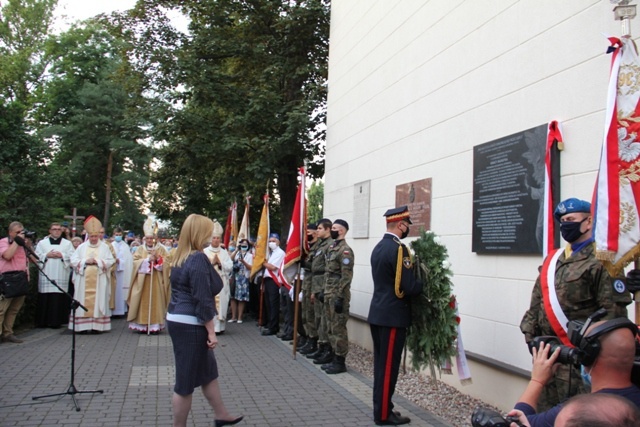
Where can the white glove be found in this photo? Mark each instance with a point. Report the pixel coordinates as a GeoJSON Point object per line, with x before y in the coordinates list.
{"type": "Point", "coordinates": [291, 293]}
{"type": "Point", "coordinates": [300, 297]}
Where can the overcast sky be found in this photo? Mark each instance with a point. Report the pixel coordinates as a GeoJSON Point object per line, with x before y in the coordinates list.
{"type": "Point", "coordinates": [69, 11]}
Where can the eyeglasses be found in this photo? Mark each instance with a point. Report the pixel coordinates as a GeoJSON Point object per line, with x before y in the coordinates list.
{"type": "Point", "coordinates": [56, 229]}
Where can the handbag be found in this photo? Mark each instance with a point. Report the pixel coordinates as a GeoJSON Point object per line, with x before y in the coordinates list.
{"type": "Point", "coordinates": [14, 284]}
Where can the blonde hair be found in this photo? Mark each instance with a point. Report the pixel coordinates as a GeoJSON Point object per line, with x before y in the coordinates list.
{"type": "Point", "coordinates": [195, 233]}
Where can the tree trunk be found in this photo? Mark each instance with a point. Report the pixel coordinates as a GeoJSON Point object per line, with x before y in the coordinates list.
{"type": "Point", "coordinates": [107, 201]}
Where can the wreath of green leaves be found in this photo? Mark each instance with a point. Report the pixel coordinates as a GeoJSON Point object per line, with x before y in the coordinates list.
{"type": "Point", "coordinates": [433, 331]}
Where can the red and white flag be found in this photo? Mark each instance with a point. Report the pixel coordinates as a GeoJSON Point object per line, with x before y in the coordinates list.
{"type": "Point", "coordinates": [297, 244]}
{"type": "Point", "coordinates": [227, 229]}
{"type": "Point", "coordinates": [615, 208]}
{"type": "Point", "coordinates": [554, 142]}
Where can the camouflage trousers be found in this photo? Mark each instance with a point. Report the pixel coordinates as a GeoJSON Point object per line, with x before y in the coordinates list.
{"type": "Point", "coordinates": [337, 322]}
{"type": "Point", "coordinates": [308, 315]}
{"type": "Point", "coordinates": [320, 321]}
{"type": "Point", "coordinates": [559, 388]}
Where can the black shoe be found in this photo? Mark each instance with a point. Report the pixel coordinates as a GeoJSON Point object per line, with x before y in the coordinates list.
{"type": "Point", "coordinates": [279, 334]}
{"type": "Point", "coordinates": [309, 347]}
{"type": "Point", "coordinates": [393, 420]}
{"type": "Point", "coordinates": [267, 332]}
{"type": "Point", "coordinates": [286, 338]}
{"type": "Point", "coordinates": [222, 423]}
{"type": "Point", "coordinates": [324, 358]}
{"type": "Point", "coordinates": [337, 367]}
{"type": "Point", "coordinates": [318, 352]}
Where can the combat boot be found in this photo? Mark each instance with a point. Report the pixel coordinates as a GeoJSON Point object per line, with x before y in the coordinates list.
{"type": "Point", "coordinates": [326, 365]}
{"type": "Point", "coordinates": [318, 351]}
{"type": "Point", "coordinates": [310, 346]}
{"type": "Point", "coordinates": [338, 366]}
{"type": "Point", "coordinates": [325, 357]}
{"type": "Point", "coordinates": [302, 341]}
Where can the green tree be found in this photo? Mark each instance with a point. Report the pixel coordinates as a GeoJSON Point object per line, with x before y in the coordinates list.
{"type": "Point", "coordinates": [315, 201]}
{"type": "Point", "coordinates": [95, 117]}
{"type": "Point", "coordinates": [250, 110]}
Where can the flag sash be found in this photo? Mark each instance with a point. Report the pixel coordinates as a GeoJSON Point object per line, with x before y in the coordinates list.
{"type": "Point", "coordinates": [552, 308]}
{"type": "Point", "coordinates": [554, 136]}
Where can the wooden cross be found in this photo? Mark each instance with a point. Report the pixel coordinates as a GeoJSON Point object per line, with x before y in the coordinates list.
{"type": "Point", "coordinates": [73, 219]}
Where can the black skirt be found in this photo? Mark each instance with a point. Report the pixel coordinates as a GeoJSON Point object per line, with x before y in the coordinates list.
{"type": "Point", "coordinates": [195, 362]}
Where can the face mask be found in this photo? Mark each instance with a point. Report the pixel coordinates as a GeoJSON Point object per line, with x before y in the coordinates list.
{"type": "Point", "coordinates": [571, 230]}
{"type": "Point", "coordinates": [273, 246]}
{"type": "Point", "coordinates": [334, 234]}
{"type": "Point", "coordinates": [244, 248]}
{"type": "Point", "coordinates": [405, 233]}
{"type": "Point", "coordinates": [232, 248]}
{"type": "Point", "coordinates": [118, 239]}
{"type": "Point", "coordinates": [586, 376]}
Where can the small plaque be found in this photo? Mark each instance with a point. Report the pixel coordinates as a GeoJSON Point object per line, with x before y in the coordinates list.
{"type": "Point", "coordinates": [417, 196]}
{"type": "Point", "coordinates": [361, 197]}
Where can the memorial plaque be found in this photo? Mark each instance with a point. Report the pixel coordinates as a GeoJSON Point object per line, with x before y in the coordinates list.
{"type": "Point", "coordinates": [361, 197]}
{"type": "Point", "coordinates": [417, 196]}
{"type": "Point", "coordinates": [508, 193]}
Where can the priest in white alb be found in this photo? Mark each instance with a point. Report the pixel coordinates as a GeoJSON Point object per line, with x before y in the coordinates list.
{"type": "Point", "coordinates": [124, 268]}
{"type": "Point", "coordinates": [91, 264]}
{"type": "Point", "coordinates": [223, 265]}
{"type": "Point", "coordinates": [54, 253]}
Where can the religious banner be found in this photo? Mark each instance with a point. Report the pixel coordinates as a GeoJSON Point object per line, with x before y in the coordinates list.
{"type": "Point", "coordinates": [617, 229]}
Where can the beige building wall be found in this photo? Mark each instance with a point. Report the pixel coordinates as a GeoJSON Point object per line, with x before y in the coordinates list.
{"type": "Point", "coordinates": [414, 85]}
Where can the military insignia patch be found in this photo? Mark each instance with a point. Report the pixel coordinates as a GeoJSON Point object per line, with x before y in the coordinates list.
{"type": "Point", "coordinates": [618, 285]}
{"type": "Point", "coordinates": [346, 261]}
{"type": "Point", "coordinates": [406, 261]}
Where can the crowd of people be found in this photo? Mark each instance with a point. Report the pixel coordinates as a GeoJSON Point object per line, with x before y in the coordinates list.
{"type": "Point", "coordinates": [194, 286]}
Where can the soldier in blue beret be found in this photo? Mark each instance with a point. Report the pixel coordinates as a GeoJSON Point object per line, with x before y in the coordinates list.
{"type": "Point", "coordinates": [580, 284]}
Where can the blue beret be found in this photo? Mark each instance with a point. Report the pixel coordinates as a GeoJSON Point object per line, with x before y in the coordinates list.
{"type": "Point", "coordinates": [571, 206]}
{"type": "Point", "coordinates": [274, 236]}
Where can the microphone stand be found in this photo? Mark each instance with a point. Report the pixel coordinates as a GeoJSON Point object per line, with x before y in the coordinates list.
{"type": "Point", "coordinates": [72, 390]}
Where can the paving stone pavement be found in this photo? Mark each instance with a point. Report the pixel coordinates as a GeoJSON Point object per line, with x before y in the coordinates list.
{"type": "Point", "coordinates": [258, 377]}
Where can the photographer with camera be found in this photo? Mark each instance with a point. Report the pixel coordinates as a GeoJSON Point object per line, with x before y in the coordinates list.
{"type": "Point", "coordinates": [571, 285]}
{"type": "Point", "coordinates": [605, 349]}
{"type": "Point", "coordinates": [13, 258]}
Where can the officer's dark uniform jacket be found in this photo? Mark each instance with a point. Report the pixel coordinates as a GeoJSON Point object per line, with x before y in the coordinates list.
{"type": "Point", "coordinates": [387, 309]}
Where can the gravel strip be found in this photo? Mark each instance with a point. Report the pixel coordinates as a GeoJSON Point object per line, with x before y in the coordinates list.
{"type": "Point", "coordinates": [430, 394]}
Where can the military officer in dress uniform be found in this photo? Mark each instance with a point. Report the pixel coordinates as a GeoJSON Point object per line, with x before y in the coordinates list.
{"type": "Point", "coordinates": [394, 283]}
{"type": "Point", "coordinates": [581, 285]}
{"type": "Point", "coordinates": [337, 295]}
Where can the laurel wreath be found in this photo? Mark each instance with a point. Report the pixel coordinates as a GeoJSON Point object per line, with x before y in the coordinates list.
{"type": "Point", "coordinates": [431, 337]}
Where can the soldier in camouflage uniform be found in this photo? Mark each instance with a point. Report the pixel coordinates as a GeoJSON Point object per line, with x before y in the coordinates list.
{"type": "Point", "coordinates": [582, 285]}
{"type": "Point", "coordinates": [323, 353]}
{"type": "Point", "coordinates": [337, 295]}
{"type": "Point", "coordinates": [308, 319]}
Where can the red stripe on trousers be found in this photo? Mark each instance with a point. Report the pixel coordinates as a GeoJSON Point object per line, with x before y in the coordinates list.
{"type": "Point", "coordinates": [387, 375]}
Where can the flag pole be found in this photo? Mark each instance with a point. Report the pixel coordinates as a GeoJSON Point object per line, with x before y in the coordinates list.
{"type": "Point", "coordinates": [296, 293]}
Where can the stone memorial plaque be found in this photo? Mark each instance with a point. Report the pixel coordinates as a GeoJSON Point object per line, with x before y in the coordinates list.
{"type": "Point", "coordinates": [417, 196]}
{"type": "Point", "coordinates": [508, 193]}
{"type": "Point", "coordinates": [361, 197]}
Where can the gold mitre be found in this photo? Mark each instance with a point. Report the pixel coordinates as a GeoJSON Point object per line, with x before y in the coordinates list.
{"type": "Point", "coordinates": [217, 229]}
{"type": "Point", "coordinates": [92, 225]}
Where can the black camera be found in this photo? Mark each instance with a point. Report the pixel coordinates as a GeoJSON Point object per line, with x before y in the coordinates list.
{"type": "Point", "coordinates": [485, 417]}
{"type": "Point", "coordinates": [29, 234]}
{"type": "Point", "coordinates": [568, 355]}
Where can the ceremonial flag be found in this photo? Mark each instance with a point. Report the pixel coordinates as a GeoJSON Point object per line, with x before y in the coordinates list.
{"type": "Point", "coordinates": [234, 221]}
{"type": "Point", "coordinates": [615, 208]}
{"type": "Point", "coordinates": [243, 233]}
{"type": "Point", "coordinates": [262, 240]}
{"type": "Point", "coordinates": [227, 229]}
{"type": "Point", "coordinates": [551, 188]}
{"type": "Point", "coordinates": [297, 244]}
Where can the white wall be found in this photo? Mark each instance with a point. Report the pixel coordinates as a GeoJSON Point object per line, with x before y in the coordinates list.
{"type": "Point", "coordinates": [414, 85]}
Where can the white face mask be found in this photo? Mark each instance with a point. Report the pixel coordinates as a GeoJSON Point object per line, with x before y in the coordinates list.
{"type": "Point", "coordinates": [273, 246]}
